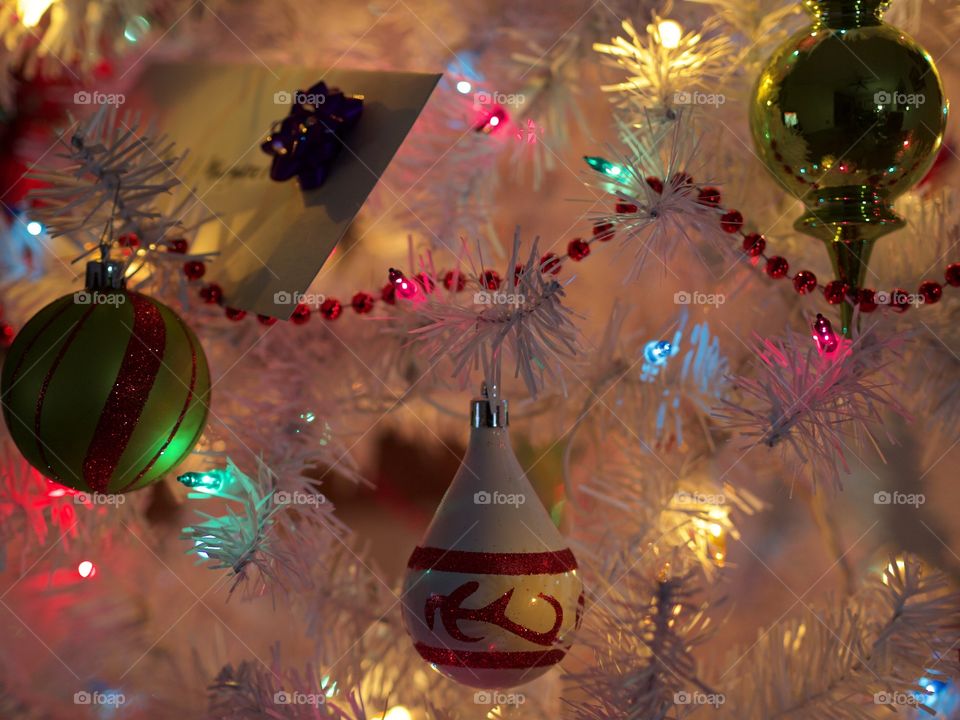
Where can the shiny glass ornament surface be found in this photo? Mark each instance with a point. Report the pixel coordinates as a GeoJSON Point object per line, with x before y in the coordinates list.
{"type": "Point", "coordinates": [848, 114]}
{"type": "Point", "coordinates": [492, 592]}
{"type": "Point", "coordinates": [105, 390]}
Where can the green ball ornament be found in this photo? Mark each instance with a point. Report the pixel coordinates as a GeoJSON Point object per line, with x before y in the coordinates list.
{"type": "Point", "coordinates": [105, 391]}
{"type": "Point", "coordinates": [848, 114]}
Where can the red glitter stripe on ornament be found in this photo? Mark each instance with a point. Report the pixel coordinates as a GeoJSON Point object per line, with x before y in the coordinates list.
{"type": "Point", "coordinates": [41, 448]}
{"type": "Point", "coordinates": [492, 660]}
{"type": "Point", "coordinates": [33, 340]}
{"type": "Point", "coordinates": [138, 372]}
{"type": "Point", "coordinates": [183, 411]}
{"type": "Point", "coordinates": [481, 563]}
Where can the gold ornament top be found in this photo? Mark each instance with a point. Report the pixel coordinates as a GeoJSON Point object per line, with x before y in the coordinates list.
{"type": "Point", "coordinates": [846, 13]}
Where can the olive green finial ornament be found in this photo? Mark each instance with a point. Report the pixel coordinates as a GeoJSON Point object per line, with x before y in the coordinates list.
{"type": "Point", "coordinates": [848, 114]}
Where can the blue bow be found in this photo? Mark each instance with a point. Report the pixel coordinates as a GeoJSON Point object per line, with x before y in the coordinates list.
{"type": "Point", "coordinates": [309, 139]}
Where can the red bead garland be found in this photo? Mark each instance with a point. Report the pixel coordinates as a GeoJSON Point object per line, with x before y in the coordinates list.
{"type": "Point", "coordinates": [578, 249]}
{"type": "Point", "coordinates": [777, 267]}
{"type": "Point", "coordinates": [835, 292]}
{"type": "Point", "coordinates": [362, 303]}
{"type": "Point", "coordinates": [603, 232]}
{"type": "Point", "coordinates": [931, 292]}
{"type": "Point", "coordinates": [804, 282]}
{"type": "Point", "coordinates": [754, 244]}
{"type": "Point", "coordinates": [301, 314]}
{"type": "Point", "coordinates": [490, 279]}
{"type": "Point", "coordinates": [194, 270]}
{"type": "Point", "coordinates": [953, 275]}
{"type": "Point", "coordinates": [331, 309]}
{"type": "Point", "coordinates": [454, 276]}
{"type": "Point", "coordinates": [550, 263]}
{"type": "Point", "coordinates": [709, 196]}
{"type": "Point", "coordinates": [731, 221]}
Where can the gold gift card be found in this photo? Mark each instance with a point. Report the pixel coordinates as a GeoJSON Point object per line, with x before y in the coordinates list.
{"type": "Point", "coordinates": [273, 237]}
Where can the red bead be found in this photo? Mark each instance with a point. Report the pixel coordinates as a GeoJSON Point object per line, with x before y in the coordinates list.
{"type": "Point", "coordinates": [681, 178]}
{"type": "Point", "coordinates": [899, 299]}
{"type": "Point", "coordinates": [362, 303]}
{"type": "Point", "coordinates": [6, 334]}
{"type": "Point", "coordinates": [625, 207]}
{"type": "Point", "coordinates": [212, 294]}
{"type": "Point", "coordinates": [731, 221]}
{"type": "Point", "coordinates": [130, 240]}
{"type": "Point", "coordinates": [835, 291]}
{"type": "Point", "coordinates": [426, 282]}
{"type": "Point", "coordinates": [804, 282]}
{"type": "Point", "coordinates": [454, 276]}
{"type": "Point", "coordinates": [655, 184]}
{"type": "Point", "coordinates": [754, 244]}
{"type": "Point", "coordinates": [931, 291]}
{"type": "Point", "coordinates": [550, 263]}
{"type": "Point", "coordinates": [490, 279]}
{"type": "Point", "coordinates": [709, 196]}
{"type": "Point", "coordinates": [953, 274]}
{"type": "Point", "coordinates": [388, 293]}
{"type": "Point", "coordinates": [235, 314]}
{"type": "Point", "coordinates": [867, 299]}
{"type": "Point", "coordinates": [331, 309]}
{"type": "Point", "coordinates": [178, 245]}
{"type": "Point", "coordinates": [194, 269]}
{"type": "Point", "coordinates": [603, 232]}
{"type": "Point", "coordinates": [777, 267]}
{"type": "Point", "coordinates": [266, 320]}
{"type": "Point", "coordinates": [578, 249]}
{"type": "Point", "coordinates": [301, 314]}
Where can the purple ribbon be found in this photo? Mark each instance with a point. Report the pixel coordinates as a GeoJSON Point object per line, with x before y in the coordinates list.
{"type": "Point", "coordinates": [306, 142]}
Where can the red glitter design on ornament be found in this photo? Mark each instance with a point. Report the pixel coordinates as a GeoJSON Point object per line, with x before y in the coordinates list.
{"type": "Point", "coordinates": [493, 613]}
{"type": "Point", "coordinates": [494, 660]}
{"type": "Point", "coordinates": [41, 448]}
{"type": "Point", "coordinates": [482, 563]}
{"type": "Point", "coordinates": [138, 372]}
{"type": "Point", "coordinates": [183, 411]}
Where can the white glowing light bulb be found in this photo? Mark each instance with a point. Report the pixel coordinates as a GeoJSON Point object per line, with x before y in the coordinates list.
{"type": "Point", "coordinates": [87, 569]}
{"type": "Point", "coordinates": [670, 34]}
{"type": "Point", "coordinates": [34, 228]}
{"type": "Point", "coordinates": [31, 11]}
{"type": "Point", "coordinates": [463, 87]}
